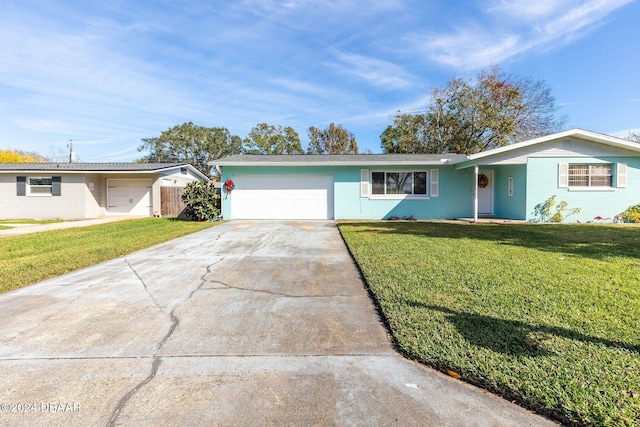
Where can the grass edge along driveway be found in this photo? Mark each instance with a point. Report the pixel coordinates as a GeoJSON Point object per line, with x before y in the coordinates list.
{"type": "Point", "coordinates": [31, 258]}
{"type": "Point", "coordinates": [544, 315]}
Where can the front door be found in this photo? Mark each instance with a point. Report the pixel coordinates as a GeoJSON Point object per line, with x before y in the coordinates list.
{"type": "Point", "coordinates": [485, 192]}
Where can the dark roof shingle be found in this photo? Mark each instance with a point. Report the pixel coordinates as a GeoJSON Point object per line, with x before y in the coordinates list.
{"type": "Point", "coordinates": [89, 167]}
{"type": "Point", "coordinates": [265, 159]}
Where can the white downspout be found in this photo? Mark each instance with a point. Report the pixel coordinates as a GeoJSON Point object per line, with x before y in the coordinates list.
{"type": "Point", "coordinates": [475, 193]}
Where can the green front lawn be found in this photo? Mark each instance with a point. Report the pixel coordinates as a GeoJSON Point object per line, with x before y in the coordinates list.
{"type": "Point", "coordinates": [30, 258]}
{"type": "Point", "coordinates": [546, 315]}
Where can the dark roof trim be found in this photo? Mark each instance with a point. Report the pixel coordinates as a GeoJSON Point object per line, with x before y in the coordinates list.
{"type": "Point", "coordinates": [337, 159]}
{"type": "Point", "coordinates": [96, 167]}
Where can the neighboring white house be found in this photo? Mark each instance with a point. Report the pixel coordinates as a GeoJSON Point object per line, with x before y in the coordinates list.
{"type": "Point", "coordinates": [88, 190]}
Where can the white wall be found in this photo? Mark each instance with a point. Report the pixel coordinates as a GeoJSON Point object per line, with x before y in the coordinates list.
{"type": "Point", "coordinates": [70, 205]}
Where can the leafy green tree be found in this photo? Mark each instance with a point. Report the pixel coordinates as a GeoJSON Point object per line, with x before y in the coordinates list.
{"type": "Point", "coordinates": [472, 116]}
{"type": "Point", "coordinates": [192, 144]}
{"type": "Point", "coordinates": [267, 139]}
{"type": "Point", "coordinates": [333, 140]}
{"type": "Point", "coordinates": [201, 199]}
{"type": "Point", "coordinates": [408, 134]}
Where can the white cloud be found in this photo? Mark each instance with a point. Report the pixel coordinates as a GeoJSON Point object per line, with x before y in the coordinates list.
{"type": "Point", "coordinates": [472, 48]}
{"type": "Point", "coordinates": [527, 26]}
{"type": "Point", "coordinates": [374, 71]}
{"type": "Point", "coordinates": [527, 9]}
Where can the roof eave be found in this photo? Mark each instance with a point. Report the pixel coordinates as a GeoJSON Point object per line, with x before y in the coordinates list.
{"type": "Point", "coordinates": [338, 163]}
{"type": "Point", "coordinates": [580, 133]}
{"type": "Point", "coordinates": [183, 165]}
{"type": "Point", "coordinates": [109, 171]}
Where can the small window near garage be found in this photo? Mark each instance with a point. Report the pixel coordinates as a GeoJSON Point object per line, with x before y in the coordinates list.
{"type": "Point", "coordinates": [590, 175]}
{"type": "Point", "coordinates": [399, 183]}
{"type": "Point", "coordinates": [183, 171]}
{"type": "Point", "coordinates": [510, 186]}
{"type": "Point", "coordinates": [39, 186]}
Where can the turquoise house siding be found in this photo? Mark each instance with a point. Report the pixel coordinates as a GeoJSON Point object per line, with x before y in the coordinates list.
{"type": "Point", "coordinates": [542, 173]}
{"type": "Point", "coordinates": [454, 200]}
{"type": "Point", "coordinates": [513, 206]}
{"type": "Point", "coordinates": [531, 166]}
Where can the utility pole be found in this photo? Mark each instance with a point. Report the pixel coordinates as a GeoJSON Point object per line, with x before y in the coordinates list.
{"type": "Point", "coordinates": [71, 151]}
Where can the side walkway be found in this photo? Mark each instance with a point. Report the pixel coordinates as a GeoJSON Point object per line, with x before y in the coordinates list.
{"type": "Point", "coordinates": [37, 228]}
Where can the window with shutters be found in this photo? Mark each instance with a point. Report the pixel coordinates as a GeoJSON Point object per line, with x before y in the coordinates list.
{"type": "Point", "coordinates": [399, 184]}
{"type": "Point", "coordinates": [43, 186]}
{"type": "Point", "coordinates": [590, 175]}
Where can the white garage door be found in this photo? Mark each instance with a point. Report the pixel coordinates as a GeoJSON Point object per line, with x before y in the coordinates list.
{"type": "Point", "coordinates": [129, 196]}
{"type": "Point", "coordinates": [282, 197]}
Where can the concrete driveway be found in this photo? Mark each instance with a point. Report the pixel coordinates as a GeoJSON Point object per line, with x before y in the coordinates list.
{"type": "Point", "coordinates": [245, 323]}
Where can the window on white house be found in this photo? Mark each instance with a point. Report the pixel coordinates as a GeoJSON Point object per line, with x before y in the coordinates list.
{"type": "Point", "coordinates": [399, 183]}
{"type": "Point", "coordinates": [39, 186]}
{"type": "Point", "coordinates": [590, 175]}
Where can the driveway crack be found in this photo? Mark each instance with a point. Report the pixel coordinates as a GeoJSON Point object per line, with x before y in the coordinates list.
{"type": "Point", "coordinates": [191, 249]}
{"type": "Point", "coordinates": [263, 243]}
{"type": "Point", "coordinates": [278, 294]}
{"type": "Point", "coordinates": [157, 359]}
{"type": "Point", "coordinates": [144, 285]}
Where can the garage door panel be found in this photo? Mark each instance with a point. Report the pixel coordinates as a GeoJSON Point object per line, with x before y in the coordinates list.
{"type": "Point", "coordinates": [282, 197]}
{"type": "Point", "coordinates": [129, 197]}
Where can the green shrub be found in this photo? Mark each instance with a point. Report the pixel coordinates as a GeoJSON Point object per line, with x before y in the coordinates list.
{"type": "Point", "coordinates": [550, 211]}
{"type": "Point", "coordinates": [632, 214]}
{"type": "Point", "coordinates": [201, 200]}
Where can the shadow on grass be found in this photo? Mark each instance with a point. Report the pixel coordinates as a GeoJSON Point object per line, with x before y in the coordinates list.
{"type": "Point", "coordinates": [512, 336]}
{"type": "Point", "coordinates": [586, 240]}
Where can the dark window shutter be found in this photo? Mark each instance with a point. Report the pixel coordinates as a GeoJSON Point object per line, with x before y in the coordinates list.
{"type": "Point", "coordinates": [21, 185]}
{"type": "Point", "coordinates": [56, 189]}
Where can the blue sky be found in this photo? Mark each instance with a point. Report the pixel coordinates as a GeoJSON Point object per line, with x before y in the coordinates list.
{"type": "Point", "coordinates": [107, 74]}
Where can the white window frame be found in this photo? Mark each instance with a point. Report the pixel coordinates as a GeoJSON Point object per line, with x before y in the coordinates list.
{"type": "Point", "coordinates": [398, 196]}
{"type": "Point", "coordinates": [28, 187]}
{"type": "Point", "coordinates": [590, 176]}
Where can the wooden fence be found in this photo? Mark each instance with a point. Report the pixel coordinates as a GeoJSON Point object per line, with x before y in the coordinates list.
{"type": "Point", "coordinates": [171, 203]}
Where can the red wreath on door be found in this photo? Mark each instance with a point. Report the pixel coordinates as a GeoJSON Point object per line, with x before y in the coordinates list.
{"type": "Point", "coordinates": [229, 185]}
